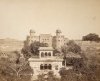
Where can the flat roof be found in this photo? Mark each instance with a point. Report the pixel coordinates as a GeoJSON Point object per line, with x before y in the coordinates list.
{"type": "Point", "coordinates": [45, 60]}
{"type": "Point", "coordinates": [46, 49]}
{"type": "Point", "coordinates": [53, 59]}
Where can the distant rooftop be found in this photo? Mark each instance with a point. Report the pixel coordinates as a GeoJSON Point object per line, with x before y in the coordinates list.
{"type": "Point", "coordinates": [46, 49]}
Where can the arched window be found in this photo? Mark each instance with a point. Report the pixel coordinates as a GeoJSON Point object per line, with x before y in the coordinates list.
{"type": "Point", "coordinates": [41, 67]}
{"type": "Point", "coordinates": [49, 54]}
{"type": "Point", "coordinates": [63, 63]}
{"type": "Point", "coordinates": [49, 66]}
{"type": "Point", "coordinates": [45, 66]}
{"type": "Point", "coordinates": [42, 54]}
{"type": "Point", "coordinates": [45, 53]}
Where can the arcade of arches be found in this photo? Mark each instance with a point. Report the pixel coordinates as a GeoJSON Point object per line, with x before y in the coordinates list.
{"type": "Point", "coordinates": [45, 66]}
{"type": "Point", "coordinates": [46, 54]}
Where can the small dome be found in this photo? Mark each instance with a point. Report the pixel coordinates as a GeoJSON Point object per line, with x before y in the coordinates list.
{"type": "Point", "coordinates": [28, 37]}
{"type": "Point", "coordinates": [32, 31]}
{"type": "Point", "coordinates": [58, 31]}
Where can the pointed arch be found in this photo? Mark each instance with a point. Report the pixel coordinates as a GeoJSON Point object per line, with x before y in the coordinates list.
{"type": "Point", "coordinates": [49, 66]}
{"type": "Point", "coordinates": [46, 54]}
{"type": "Point", "coordinates": [45, 66]}
{"type": "Point", "coordinates": [49, 54]}
{"type": "Point", "coordinates": [42, 54]}
{"type": "Point", "coordinates": [41, 67]}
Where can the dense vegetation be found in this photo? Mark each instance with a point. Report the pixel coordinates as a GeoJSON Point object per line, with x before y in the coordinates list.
{"type": "Point", "coordinates": [32, 50]}
{"type": "Point", "coordinates": [71, 46]}
{"type": "Point", "coordinates": [85, 69]}
{"type": "Point", "coordinates": [91, 37]}
{"type": "Point", "coordinates": [14, 68]}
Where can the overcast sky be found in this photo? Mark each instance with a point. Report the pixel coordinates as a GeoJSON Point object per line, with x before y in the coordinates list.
{"type": "Point", "coordinates": [75, 18]}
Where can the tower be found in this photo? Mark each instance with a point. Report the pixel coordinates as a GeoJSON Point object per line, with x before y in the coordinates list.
{"type": "Point", "coordinates": [32, 32]}
{"type": "Point", "coordinates": [58, 39]}
{"type": "Point", "coordinates": [30, 38]}
{"type": "Point", "coordinates": [58, 32]}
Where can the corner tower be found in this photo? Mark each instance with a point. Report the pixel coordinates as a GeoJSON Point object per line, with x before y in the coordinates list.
{"type": "Point", "coordinates": [59, 39]}
{"type": "Point", "coordinates": [32, 32]}
{"type": "Point", "coordinates": [58, 32]}
{"type": "Point", "coordinates": [30, 38]}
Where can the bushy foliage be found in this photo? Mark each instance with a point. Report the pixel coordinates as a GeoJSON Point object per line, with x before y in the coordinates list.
{"type": "Point", "coordinates": [71, 47]}
{"type": "Point", "coordinates": [48, 77]}
{"type": "Point", "coordinates": [91, 37]}
{"type": "Point", "coordinates": [35, 46]}
{"type": "Point", "coordinates": [67, 75]}
{"type": "Point", "coordinates": [11, 70]}
{"type": "Point", "coordinates": [77, 74]}
{"type": "Point", "coordinates": [28, 51]}
{"type": "Point", "coordinates": [85, 69]}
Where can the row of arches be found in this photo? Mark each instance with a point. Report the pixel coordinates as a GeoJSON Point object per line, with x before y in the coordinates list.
{"type": "Point", "coordinates": [45, 54]}
{"type": "Point", "coordinates": [45, 66]}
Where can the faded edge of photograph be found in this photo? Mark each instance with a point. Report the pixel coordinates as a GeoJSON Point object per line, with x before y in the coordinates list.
{"type": "Point", "coordinates": [49, 40]}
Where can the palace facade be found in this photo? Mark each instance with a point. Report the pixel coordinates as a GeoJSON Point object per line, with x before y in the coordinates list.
{"type": "Point", "coordinates": [56, 41]}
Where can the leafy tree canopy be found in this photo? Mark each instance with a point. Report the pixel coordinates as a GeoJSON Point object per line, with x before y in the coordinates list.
{"type": "Point", "coordinates": [91, 37]}
{"type": "Point", "coordinates": [71, 47]}
{"type": "Point", "coordinates": [33, 49]}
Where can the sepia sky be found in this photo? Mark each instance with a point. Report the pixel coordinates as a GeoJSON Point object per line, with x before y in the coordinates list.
{"type": "Point", "coordinates": [75, 18]}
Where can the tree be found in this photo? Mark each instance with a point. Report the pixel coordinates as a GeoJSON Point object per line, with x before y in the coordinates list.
{"type": "Point", "coordinates": [91, 37]}
{"type": "Point", "coordinates": [67, 75]}
{"type": "Point", "coordinates": [56, 52]}
{"type": "Point", "coordinates": [41, 77]}
{"type": "Point", "coordinates": [11, 69]}
{"type": "Point", "coordinates": [47, 77]}
{"type": "Point", "coordinates": [35, 46]}
{"type": "Point", "coordinates": [51, 76]}
{"type": "Point", "coordinates": [28, 51]}
{"type": "Point", "coordinates": [71, 47]}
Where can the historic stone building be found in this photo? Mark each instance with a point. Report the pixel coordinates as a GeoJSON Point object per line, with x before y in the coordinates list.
{"type": "Point", "coordinates": [56, 41]}
{"type": "Point", "coordinates": [59, 40]}
{"type": "Point", "coordinates": [46, 62]}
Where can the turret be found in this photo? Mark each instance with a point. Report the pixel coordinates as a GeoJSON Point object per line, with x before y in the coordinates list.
{"type": "Point", "coordinates": [32, 32]}
{"type": "Point", "coordinates": [58, 32]}
{"type": "Point", "coordinates": [58, 39]}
